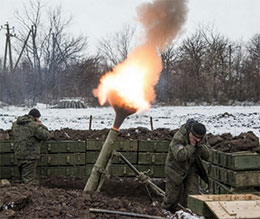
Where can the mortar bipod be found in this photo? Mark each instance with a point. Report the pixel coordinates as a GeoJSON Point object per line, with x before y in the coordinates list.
{"type": "Point", "coordinates": [141, 175]}
{"type": "Point", "coordinates": [147, 180]}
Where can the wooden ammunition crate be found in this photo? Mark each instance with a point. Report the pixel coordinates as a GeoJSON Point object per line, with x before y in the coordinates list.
{"type": "Point", "coordinates": [242, 160]}
{"type": "Point", "coordinates": [91, 157]}
{"type": "Point", "coordinates": [114, 170]}
{"type": "Point", "coordinates": [153, 146]}
{"type": "Point", "coordinates": [216, 187]}
{"type": "Point", "coordinates": [120, 145]}
{"type": "Point", "coordinates": [8, 172]}
{"type": "Point", "coordinates": [63, 171]}
{"type": "Point", "coordinates": [63, 147]}
{"type": "Point", "coordinates": [229, 206]}
{"type": "Point", "coordinates": [156, 171]}
{"type": "Point", "coordinates": [62, 159]}
{"type": "Point", "coordinates": [6, 146]}
{"type": "Point", "coordinates": [235, 178]}
{"type": "Point", "coordinates": [151, 158]}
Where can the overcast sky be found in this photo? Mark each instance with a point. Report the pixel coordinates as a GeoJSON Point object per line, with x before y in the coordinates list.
{"type": "Point", "coordinates": [237, 19]}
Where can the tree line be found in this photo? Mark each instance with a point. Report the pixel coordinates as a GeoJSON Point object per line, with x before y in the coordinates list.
{"type": "Point", "coordinates": [204, 67]}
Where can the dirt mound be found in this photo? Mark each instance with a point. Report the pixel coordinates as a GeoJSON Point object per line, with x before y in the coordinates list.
{"type": "Point", "coordinates": [64, 198]}
{"type": "Point", "coordinates": [225, 142]}
{"type": "Point", "coordinates": [139, 133]}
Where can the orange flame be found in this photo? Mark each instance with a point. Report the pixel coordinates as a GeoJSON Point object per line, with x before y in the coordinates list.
{"type": "Point", "coordinates": [131, 83]}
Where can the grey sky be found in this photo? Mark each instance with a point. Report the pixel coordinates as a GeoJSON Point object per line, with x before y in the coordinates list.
{"type": "Point", "coordinates": [237, 19]}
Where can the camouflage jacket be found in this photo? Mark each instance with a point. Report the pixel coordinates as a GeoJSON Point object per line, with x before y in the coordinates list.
{"type": "Point", "coordinates": [182, 157]}
{"type": "Point", "coordinates": [28, 135]}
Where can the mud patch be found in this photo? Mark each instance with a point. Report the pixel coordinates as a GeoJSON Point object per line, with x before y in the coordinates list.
{"type": "Point", "coordinates": [64, 198]}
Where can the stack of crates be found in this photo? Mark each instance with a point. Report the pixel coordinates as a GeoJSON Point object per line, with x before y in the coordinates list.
{"type": "Point", "coordinates": [70, 158]}
{"type": "Point", "coordinates": [128, 148]}
{"type": "Point", "coordinates": [237, 172]}
{"type": "Point", "coordinates": [62, 158]}
{"type": "Point", "coordinates": [56, 159]}
{"type": "Point", "coordinates": [152, 156]}
{"type": "Point", "coordinates": [8, 167]}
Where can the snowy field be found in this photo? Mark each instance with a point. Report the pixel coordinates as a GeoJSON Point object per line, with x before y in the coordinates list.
{"type": "Point", "coordinates": [218, 119]}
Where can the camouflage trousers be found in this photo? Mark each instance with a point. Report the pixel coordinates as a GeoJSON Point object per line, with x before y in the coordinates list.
{"type": "Point", "coordinates": [175, 194]}
{"type": "Point", "coordinates": [27, 171]}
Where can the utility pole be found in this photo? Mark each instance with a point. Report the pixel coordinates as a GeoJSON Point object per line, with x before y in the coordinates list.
{"type": "Point", "coordinates": [8, 47]}
{"type": "Point", "coordinates": [24, 45]}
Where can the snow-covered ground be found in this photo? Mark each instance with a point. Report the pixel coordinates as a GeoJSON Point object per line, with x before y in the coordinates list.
{"type": "Point", "coordinates": [218, 119]}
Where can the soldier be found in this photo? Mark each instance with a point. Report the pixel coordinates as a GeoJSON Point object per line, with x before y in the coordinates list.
{"type": "Point", "coordinates": [28, 132]}
{"type": "Point", "coordinates": [183, 164]}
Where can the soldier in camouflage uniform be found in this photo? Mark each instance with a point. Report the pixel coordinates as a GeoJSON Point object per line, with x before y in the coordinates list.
{"type": "Point", "coordinates": [28, 132]}
{"type": "Point", "coordinates": [183, 164]}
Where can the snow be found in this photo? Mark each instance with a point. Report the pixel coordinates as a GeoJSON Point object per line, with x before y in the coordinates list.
{"type": "Point", "coordinates": [218, 119]}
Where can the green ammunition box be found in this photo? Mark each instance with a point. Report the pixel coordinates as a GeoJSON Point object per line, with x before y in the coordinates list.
{"type": "Point", "coordinates": [235, 178]}
{"type": "Point", "coordinates": [151, 158]}
{"type": "Point", "coordinates": [220, 188]}
{"type": "Point", "coordinates": [242, 160]}
{"type": "Point", "coordinates": [152, 170]}
{"type": "Point", "coordinates": [8, 172]}
{"type": "Point", "coordinates": [214, 157]}
{"type": "Point", "coordinates": [199, 207]}
{"type": "Point", "coordinates": [153, 146]}
{"type": "Point", "coordinates": [120, 145]}
{"type": "Point", "coordinates": [114, 170]}
{"type": "Point", "coordinates": [6, 146]}
{"type": "Point", "coordinates": [61, 159]}
{"type": "Point", "coordinates": [212, 186]}
{"type": "Point", "coordinates": [214, 172]}
{"type": "Point", "coordinates": [207, 166]}
{"type": "Point", "coordinates": [78, 171]}
{"type": "Point", "coordinates": [121, 170]}
{"type": "Point", "coordinates": [94, 145]}
{"type": "Point", "coordinates": [129, 155]}
{"type": "Point", "coordinates": [63, 147]}
{"type": "Point", "coordinates": [7, 159]}
{"type": "Point", "coordinates": [91, 157]}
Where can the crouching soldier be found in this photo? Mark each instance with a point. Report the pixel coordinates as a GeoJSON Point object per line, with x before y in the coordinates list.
{"type": "Point", "coordinates": [28, 132]}
{"type": "Point", "coordinates": [183, 164]}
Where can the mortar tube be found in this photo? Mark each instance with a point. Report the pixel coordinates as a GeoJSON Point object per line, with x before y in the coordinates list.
{"type": "Point", "coordinates": [101, 162]}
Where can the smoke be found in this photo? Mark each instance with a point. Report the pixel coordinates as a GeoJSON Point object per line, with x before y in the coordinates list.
{"type": "Point", "coordinates": [162, 20]}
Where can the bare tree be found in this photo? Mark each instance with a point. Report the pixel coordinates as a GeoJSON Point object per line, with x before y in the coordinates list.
{"type": "Point", "coordinates": [115, 48]}
{"type": "Point", "coordinates": [51, 47]}
{"type": "Point", "coordinates": [252, 67]}
{"type": "Point", "coordinates": [166, 86]}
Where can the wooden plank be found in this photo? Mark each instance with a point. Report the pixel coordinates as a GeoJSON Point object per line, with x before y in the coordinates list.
{"type": "Point", "coordinates": [226, 197]}
{"type": "Point", "coordinates": [235, 209]}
